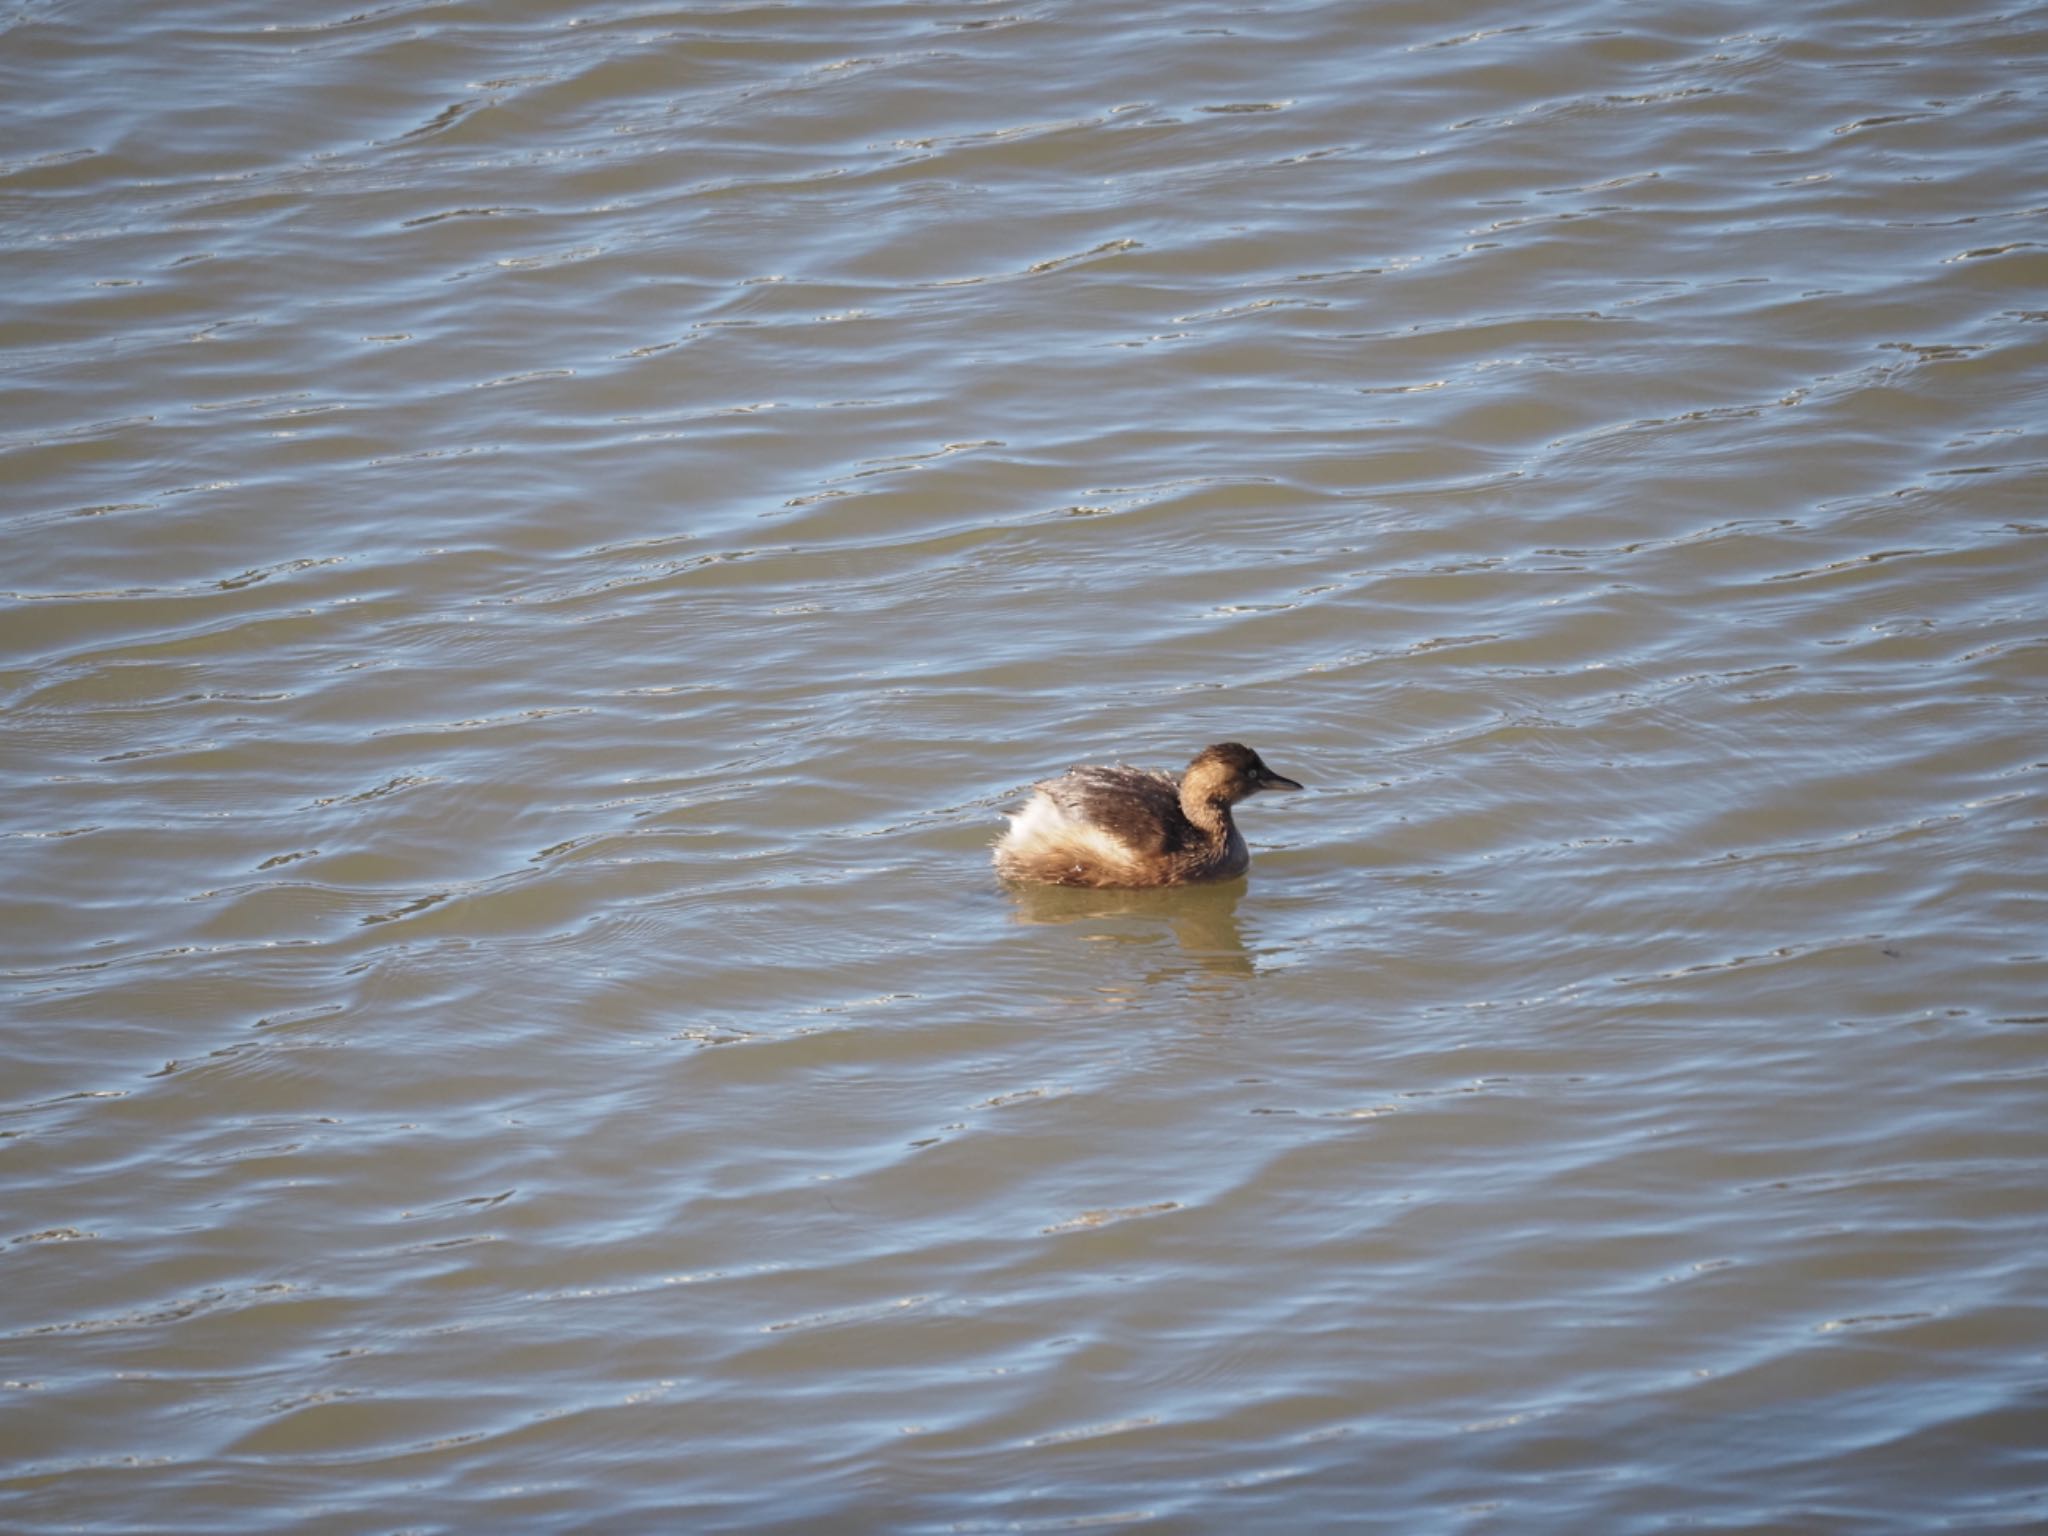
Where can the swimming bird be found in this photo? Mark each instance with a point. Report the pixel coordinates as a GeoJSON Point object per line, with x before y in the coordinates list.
{"type": "Point", "coordinates": [1101, 826]}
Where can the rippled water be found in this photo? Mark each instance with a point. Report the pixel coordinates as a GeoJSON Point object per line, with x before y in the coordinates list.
{"type": "Point", "coordinates": [538, 540]}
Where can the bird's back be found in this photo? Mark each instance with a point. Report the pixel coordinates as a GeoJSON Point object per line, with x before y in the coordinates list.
{"type": "Point", "coordinates": [1137, 807]}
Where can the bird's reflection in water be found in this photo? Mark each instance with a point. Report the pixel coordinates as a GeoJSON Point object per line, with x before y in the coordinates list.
{"type": "Point", "coordinates": [1202, 918]}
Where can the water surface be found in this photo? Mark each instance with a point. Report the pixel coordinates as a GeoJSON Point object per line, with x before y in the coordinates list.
{"type": "Point", "coordinates": [537, 542]}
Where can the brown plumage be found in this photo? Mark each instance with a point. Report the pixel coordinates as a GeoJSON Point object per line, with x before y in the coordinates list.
{"type": "Point", "coordinates": [1122, 826]}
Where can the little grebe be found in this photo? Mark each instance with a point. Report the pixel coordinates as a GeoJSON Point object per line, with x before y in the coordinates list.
{"type": "Point", "coordinates": [1126, 826]}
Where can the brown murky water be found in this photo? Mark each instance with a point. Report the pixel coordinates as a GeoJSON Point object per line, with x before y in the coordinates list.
{"type": "Point", "coordinates": [538, 540]}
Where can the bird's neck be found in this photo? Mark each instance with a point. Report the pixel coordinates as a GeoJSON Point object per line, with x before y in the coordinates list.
{"type": "Point", "coordinates": [1210, 817]}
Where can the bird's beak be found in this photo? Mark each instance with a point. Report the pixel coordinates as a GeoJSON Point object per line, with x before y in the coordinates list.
{"type": "Point", "coordinates": [1271, 780]}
